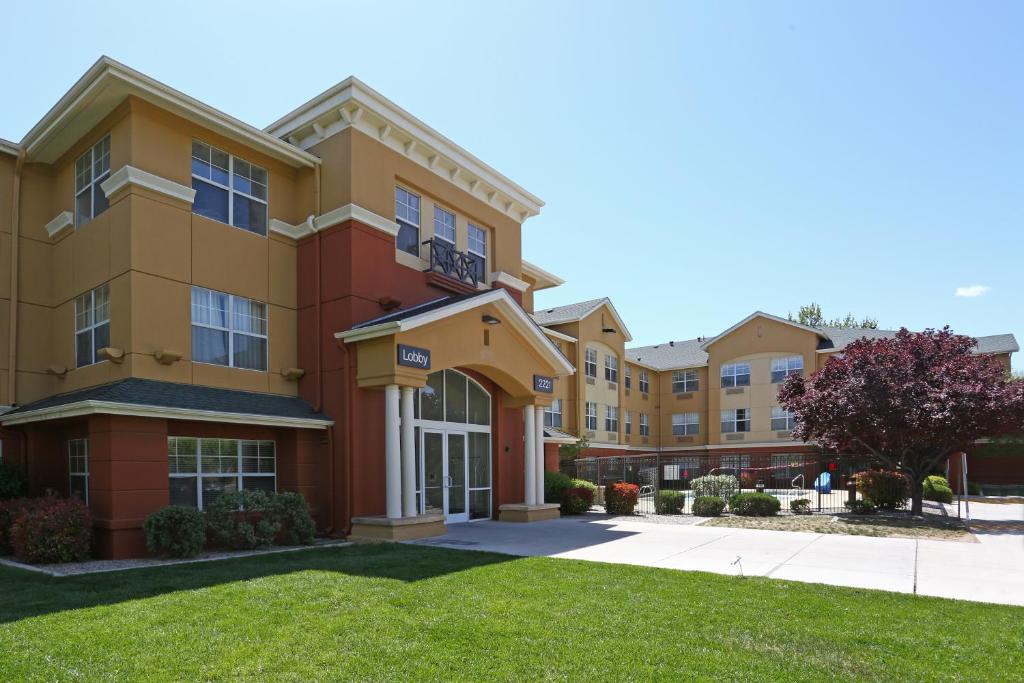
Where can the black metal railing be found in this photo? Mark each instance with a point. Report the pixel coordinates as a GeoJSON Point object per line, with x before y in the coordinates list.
{"type": "Point", "coordinates": [447, 260]}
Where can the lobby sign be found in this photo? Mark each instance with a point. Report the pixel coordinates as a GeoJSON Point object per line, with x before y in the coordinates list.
{"type": "Point", "coordinates": [413, 357]}
{"type": "Point", "coordinates": [544, 384]}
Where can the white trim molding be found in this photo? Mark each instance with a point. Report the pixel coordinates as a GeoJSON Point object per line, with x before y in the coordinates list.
{"type": "Point", "coordinates": [80, 408]}
{"type": "Point", "coordinates": [503, 278]}
{"type": "Point", "coordinates": [129, 175]}
{"type": "Point", "coordinates": [294, 231]}
{"type": "Point", "coordinates": [558, 335]}
{"type": "Point", "coordinates": [544, 279]}
{"type": "Point", "coordinates": [356, 213]}
{"type": "Point", "coordinates": [60, 223]}
{"type": "Point", "coordinates": [9, 147]}
{"type": "Point", "coordinates": [766, 316]}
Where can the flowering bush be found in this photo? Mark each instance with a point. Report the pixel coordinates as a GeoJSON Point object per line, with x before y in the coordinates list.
{"type": "Point", "coordinates": [885, 489]}
{"type": "Point", "coordinates": [52, 529]}
{"type": "Point", "coordinates": [721, 485]}
{"type": "Point", "coordinates": [576, 500]}
{"type": "Point", "coordinates": [175, 531]}
{"type": "Point", "coordinates": [620, 498]}
{"type": "Point", "coordinates": [708, 506]}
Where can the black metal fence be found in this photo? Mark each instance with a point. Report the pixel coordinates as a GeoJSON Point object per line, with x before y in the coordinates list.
{"type": "Point", "coordinates": [825, 481]}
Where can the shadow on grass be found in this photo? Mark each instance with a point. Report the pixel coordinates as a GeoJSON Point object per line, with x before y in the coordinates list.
{"type": "Point", "coordinates": [26, 594]}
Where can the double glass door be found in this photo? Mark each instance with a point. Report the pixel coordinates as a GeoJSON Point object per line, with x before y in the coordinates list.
{"type": "Point", "coordinates": [445, 470]}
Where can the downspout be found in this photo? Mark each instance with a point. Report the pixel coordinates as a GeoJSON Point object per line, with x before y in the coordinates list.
{"type": "Point", "coordinates": [13, 321]}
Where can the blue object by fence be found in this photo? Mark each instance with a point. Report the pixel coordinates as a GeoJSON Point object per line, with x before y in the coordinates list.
{"type": "Point", "coordinates": [823, 484]}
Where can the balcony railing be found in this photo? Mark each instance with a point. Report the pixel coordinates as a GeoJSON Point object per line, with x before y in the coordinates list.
{"type": "Point", "coordinates": [458, 265]}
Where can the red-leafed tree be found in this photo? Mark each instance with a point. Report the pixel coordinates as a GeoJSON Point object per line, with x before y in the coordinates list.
{"type": "Point", "coordinates": [910, 400]}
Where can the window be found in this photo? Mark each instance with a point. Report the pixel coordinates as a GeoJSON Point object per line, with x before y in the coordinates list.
{"type": "Point", "coordinates": [645, 386]}
{"type": "Point", "coordinates": [92, 325]}
{"type": "Point", "coordinates": [553, 414]}
{"type": "Point", "coordinates": [229, 189]}
{"type": "Point", "coordinates": [78, 469]}
{"type": "Point", "coordinates": [611, 419]}
{"type": "Point", "coordinates": [736, 375]}
{"type": "Point", "coordinates": [591, 416]}
{"type": "Point", "coordinates": [685, 424]}
{"type": "Point", "coordinates": [645, 427]}
{"type": "Point", "coordinates": [407, 214]}
{"type": "Point", "coordinates": [628, 417]}
{"type": "Point", "coordinates": [444, 224]}
{"type": "Point", "coordinates": [782, 419]}
{"type": "Point", "coordinates": [228, 330]}
{"type": "Point", "coordinates": [200, 470]}
{"type": "Point", "coordinates": [734, 462]}
{"type": "Point", "coordinates": [684, 381]}
{"type": "Point", "coordinates": [627, 377]}
{"type": "Point", "coordinates": [590, 363]}
{"type": "Point", "coordinates": [478, 251]}
{"type": "Point", "coordinates": [450, 396]}
{"type": "Point", "coordinates": [736, 420]}
{"type": "Point", "coordinates": [91, 169]}
{"type": "Point", "coordinates": [784, 367]}
{"type": "Point", "coordinates": [611, 368]}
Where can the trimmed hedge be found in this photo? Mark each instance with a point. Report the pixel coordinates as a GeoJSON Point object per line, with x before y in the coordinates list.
{"type": "Point", "coordinates": [721, 485]}
{"type": "Point", "coordinates": [292, 512]}
{"type": "Point", "coordinates": [554, 484]}
{"type": "Point", "coordinates": [175, 531]}
{"type": "Point", "coordinates": [754, 505]}
{"type": "Point", "coordinates": [49, 530]}
{"type": "Point", "coordinates": [576, 500]}
{"type": "Point", "coordinates": [708, 506]}
{"type": "Point", "coordinates": [937, 488]}
{"type": "Point", "coordinates": [670, 502]}
{"type": "Point", "coordinates": [621, 498]}
{"type": "Point", "coordinates": [9, 511]}
{"type": "Point", "coordinates": [13, 483]}
{"type": "Point", "coordinates": [886, 489]}
{"type": "Point", "coordinates": [238, 520]}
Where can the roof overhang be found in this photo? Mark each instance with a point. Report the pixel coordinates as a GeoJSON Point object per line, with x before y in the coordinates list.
{"type": "Point", "coordinates": [107, 83]}
{"type": "Point", "coordinates": [89, 407]}
{"type": "Point", "coordinates": [766, 316]}
{"type": "Point", "coordinates": [516, 317]}
{"type": "Point", "coordinates": [615, 316]}
{"type": "Point", "coordinates": [543, 278]}
{"type": "Point", "coordinates": [8, 147]}
{"type": "Point", "coordinates": [558, 335]}
{"type": "Point", "coordinates": [353, 104]}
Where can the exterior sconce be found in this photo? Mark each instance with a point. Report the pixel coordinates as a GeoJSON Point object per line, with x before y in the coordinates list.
{"type": "Point", "coordinates": [490, 319]}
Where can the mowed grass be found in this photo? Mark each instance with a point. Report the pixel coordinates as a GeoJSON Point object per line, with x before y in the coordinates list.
{"type": "Point", "coordinates": [424, 613]}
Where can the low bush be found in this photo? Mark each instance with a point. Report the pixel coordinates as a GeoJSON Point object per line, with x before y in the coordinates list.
{"type": "Point", "coordinates": [937, 488]}
{"type": "Point", "coordinates": [175, 531]}
{"type": "Point", "coordinates": [670, 502]}
{"type": "Point", "coordinates": [292, 513]}
{"type": "Point", "coordinates": [861, 507]}
{"type": "Point", "coordinates": [239, 520]}
{"type": "Point", "coordinates": [12, 482]}
{"type": "Point", "coordinates": [886, 489]}
{"type": "Point", "coordinates": [554, 484]}
{"type": "Point", "coordinates": [9, 511]}
{"type": "Point", "coordinates": [754, 505]}
{"type": "Point", "coordinates": [576, 500]}
{"type": "Point", "coordinates": [584, 484]}
{"type": "Point", "coordinates": [620, 498]}
{"type": "Point", "coordinates": [721, 485]}
{"type": "Point", "coordinates": [800, 506]}
{"type": "Point", "coordinates": [708, 506]}
{"type": "Point", "coordinates": [48, 530]}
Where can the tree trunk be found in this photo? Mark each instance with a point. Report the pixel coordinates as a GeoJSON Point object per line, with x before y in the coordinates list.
{"type": "Point", "coordinates": [917, 494]}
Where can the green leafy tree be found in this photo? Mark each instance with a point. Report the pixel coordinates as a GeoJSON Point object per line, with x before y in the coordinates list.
{"type": "Point", "coordinates": [571, 451]}
{"type": "Point", "coordinates": [812, 316]}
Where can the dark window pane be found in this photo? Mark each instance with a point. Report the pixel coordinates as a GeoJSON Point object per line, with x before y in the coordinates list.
{"type": "Point", "coordinates": [432, 397]}
{"type": "Point", "coordinates": [209, 346]}
{"type": "Point", "coordinates": [250, 352]}
{"type": "Point", "coordinates": [267, 484]}
{"type": "Point", "coordinates": [78, 488]}
{"type": "Point", "coordinates": [210, 201]}
{"type": "Point", "coordinates": [99, 198]}
{"type": "Point", "coordinates": [83, 348]}
{"type": "Point", "coordinates": [183, 491]}
{"type": "Point", "coordinates": [83, 207]}
{"type": "Point", "coordinates": [480, 504]}
{"type": "Point", "coordinates": [250, 215]}
{"type": "Point", "coordinates": [455, 396]}
{"type": "Point", "coordinates": [102, 337]}
{"type": "Point", "coordinates": [408, 238]}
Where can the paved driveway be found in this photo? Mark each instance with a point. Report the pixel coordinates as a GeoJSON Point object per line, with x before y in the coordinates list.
{"type": "Point", "coordinates": [991, 570]}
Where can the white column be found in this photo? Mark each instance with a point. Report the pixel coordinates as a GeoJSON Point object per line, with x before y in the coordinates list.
{"type": "Point", "coordinates": [539, 436]}
{"type": "Point", "coordinates": [392, 453]}
{"type": "Point", "coordinates": [408, 454]}
{"type": "Point", "coordinates": [530, 450]}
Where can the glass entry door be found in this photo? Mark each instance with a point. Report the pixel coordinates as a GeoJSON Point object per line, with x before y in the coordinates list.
{"type": "Point", "coordinates": [445, 469]}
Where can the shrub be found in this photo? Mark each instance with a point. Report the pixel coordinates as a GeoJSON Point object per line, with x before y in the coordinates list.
{"type": "Point", "coordinates": [937, 488]}
{"type": "Point", "coordinates": [861, 507]}
{"type": "Point", "coordinates": [292, 513]}
{"type": "Point", "coordinates": [708, 506]}
{"type": "Point", "coordinates": [800, 506]}
{"type": "Point", "coordinates": [721, 485]}
{"type": "Point", "coordinates": [584, 484]}
{"type": "Point", "coordinates": [12, 482]}
{"type": "Point", "coordinates": [884, 489]}
{"type": "Point", "coordinates": [239, 520]}
{"type": "Point", "coordinates": [554, 484]}
{"type": "Point", "coordinates": [175, 531]}
{"type": "Point", "coordinates": [9, 511]}
{"type": "Point", "coordinates": [670, 502]}
{"type": "Point", "coordinates": [620, 498]}
{"type": "Point", "coordinates": [52, 530]}
{"type": "Point", "coordinates": [754, 505]}
{"type": "Point", "coordinates": [576, 500]}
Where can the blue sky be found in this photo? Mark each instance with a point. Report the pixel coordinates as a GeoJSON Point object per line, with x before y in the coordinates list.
{"type": "Point", "coordinates": [698, 161]}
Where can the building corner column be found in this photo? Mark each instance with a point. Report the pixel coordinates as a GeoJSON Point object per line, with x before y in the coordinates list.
{"type": "Point", "coordinates": [529, 455]}
{"type": "Point", "coordinates": [392, 452]}
{"type": "Point", "coordinates": [408, 447]}
{"type": "Point", "coordinates": [539, 451]}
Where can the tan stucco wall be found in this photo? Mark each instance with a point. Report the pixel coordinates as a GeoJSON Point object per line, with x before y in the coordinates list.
{"type": "Point", "coordinates": [691, 402]}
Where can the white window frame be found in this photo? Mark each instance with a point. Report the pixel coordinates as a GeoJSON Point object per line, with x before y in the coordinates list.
{"type": "Point", "coordinates": [685, 424]}
{"type": "Point", "coordinates": [645, 425]}
{"type": "Point", "coordinates": [94, 322]}
{"type": "Point", "coordinates": [406, 220]}
{"type": "Point", "coordinates": [552, 412]}
{"type": "Point", "coordinates": [239, 475]}
{"type": "Point", "coordinates": [590, 362]}
{"type": "Point", "coordinates": [731, 372]}
{"type": "Point", "coordinates": [782, 368]}
{"type": "Point", "coordinates": [645, 383]}
{"type": "Point", "coordinates": [627, 417]}
{"type": "Point", "coordinates": [231, 331]}
{"type": "Point", "coordinates": [611, 419]}
{"type": "Point", "coordinates": [83, 474]}
{"type": "Point", "coordinates": [232, 190]}
{"type": "Point", "coordinates": [627, 377]}
{"type": "Point", "coordinates": [685, 381]}
{"type": "Point", "coordinates": [611, 368]}
{"type": "Point", "coordinates": [732, 423]}
{"type": "Point", "coordinates": [92, 184]}
{"type": "Point", "coordinates": [439, 214]}
{"type": "Point", "coordinates": [782, 420]}
{"type": "Point", "coordinates": [590, 416]}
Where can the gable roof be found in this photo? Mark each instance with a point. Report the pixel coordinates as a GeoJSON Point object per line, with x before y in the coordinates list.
{"type": "Point", "coordinates": [768, 316]}
{"type": "Point", "coordinates": [838, 338]}
{"type": "Point", "coordinates": [578, 311]}
{"type": "Point", "coordinates": [670, 355]}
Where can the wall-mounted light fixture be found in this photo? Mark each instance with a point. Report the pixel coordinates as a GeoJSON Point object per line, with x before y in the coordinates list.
{"type": "Point", "coordinates": [490, 319]}
{"type": "Point", "coordinates": [608, 330]}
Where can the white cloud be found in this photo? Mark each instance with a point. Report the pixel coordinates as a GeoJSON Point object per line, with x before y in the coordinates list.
{"type": "Point", "coordinates": [972, 291]}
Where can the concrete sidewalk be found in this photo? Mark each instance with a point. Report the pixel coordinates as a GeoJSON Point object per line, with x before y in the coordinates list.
{"type": "Point", "coordinates": [991, 570]}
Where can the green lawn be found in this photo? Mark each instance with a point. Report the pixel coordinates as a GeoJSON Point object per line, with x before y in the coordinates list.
{"type": "Point", "coordinates": [423, 613]}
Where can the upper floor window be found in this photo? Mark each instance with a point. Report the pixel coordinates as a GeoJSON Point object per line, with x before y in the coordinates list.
{"type": "Point", "coordinates": [229, 189]}
{"type": "Point", "coordinates": [736, 375]}
{"type": "Point", "coordinates": [92, 325]}
{"type": "Point", "coordinates": [478, 250]}
{"type": "Point", "coordinates": [782, 419]}
{"type": "Point", "coordinates": [590, 363]}
{"type": "Point", "coordinates": [611, 368]}
{"type": "Point", "coordinates": [627, 377]}
{"type": "Point", "coordinates": [645, 384]}
{"type": "Point", "coordinates": [407, 214]}
{"type": "Point", "coordinates": [684, 381]}
{"type": "Point", "coordinates": [591, 416]}
{"type": "Point", "coordinates": [611, 419]}
{"type": "Point", "coordinates": [444, 224]}
{"type": "Point", "coordinates": [553, 414]}
{"type": "Point", "coordinates": [784, 367]}
{"type": "Point", "coordinates": [78, 469]}
{"type": "Point", "coordinates": [628, 417]}
{"type": "Point", "coordinates": [645, 426]}
{"type": "Point", "coordinates": [91, 169]}
{"type": "Point", "coordinates": [737, 420]}
{"type": "Point", "coordinates": [685, 424]}
{"type": "Point", "coordinates": [228, 330]}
